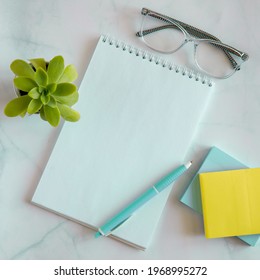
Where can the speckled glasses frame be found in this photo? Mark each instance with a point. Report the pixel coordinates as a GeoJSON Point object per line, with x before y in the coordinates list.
{"type": "Point", "coordinates": [192, 34]}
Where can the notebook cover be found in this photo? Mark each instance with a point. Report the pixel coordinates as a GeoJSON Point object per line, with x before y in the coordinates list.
{"type": "Point", "coordinates": [230, 202]}
{"type": "Point", "coordinates": [216, 160]}
{"type": "Point", "coordinates": [138, 117]}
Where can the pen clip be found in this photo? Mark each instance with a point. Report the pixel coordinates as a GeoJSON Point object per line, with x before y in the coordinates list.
{"type": "Point", "coordinates": [117, 226]}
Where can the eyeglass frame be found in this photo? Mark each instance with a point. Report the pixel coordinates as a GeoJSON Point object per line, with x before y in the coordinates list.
{"type": "Point", "coordinates": [195, 35]}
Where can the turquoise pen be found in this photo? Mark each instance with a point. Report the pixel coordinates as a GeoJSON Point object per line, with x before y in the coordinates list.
{"type": "Point", "coordinates": [128, 211]}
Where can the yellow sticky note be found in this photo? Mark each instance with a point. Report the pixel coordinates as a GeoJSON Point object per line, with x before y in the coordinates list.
{"type": "Point", "coordinates": [231, 202]}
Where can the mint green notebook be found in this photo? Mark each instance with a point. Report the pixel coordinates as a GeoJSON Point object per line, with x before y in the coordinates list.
{"type": "Point", "coordinates": [216, 160]}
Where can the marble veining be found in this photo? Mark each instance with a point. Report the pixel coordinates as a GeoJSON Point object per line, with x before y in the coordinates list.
{"type": "Point", "coordinates": [37, 244]}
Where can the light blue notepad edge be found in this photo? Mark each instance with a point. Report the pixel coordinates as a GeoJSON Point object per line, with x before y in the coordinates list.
{"type": "Point", "coordinates": [215, 160]}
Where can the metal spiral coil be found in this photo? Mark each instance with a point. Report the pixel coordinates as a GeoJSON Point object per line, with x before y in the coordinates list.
{"type": "Point", "coordinates": [151, 58]}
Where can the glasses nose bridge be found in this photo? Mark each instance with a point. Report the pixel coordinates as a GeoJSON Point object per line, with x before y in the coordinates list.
{"type": "Point", "coordinates": [191, 39]}
{"type": "Point", "coordinates": [188, 37]}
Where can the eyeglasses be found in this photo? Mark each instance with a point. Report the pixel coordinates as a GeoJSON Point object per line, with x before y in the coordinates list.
{"type": "Point", "coordinates": [167, 35]}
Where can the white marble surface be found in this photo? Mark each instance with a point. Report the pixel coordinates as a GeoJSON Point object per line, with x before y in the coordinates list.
{"type": "Point", "coordinates": [44, 28]}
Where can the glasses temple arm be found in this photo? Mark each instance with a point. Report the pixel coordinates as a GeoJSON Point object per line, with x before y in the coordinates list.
{"type": "Point", "coordinates": [191, 29]}
{"type": "Point", "coordinates": [151, 30]}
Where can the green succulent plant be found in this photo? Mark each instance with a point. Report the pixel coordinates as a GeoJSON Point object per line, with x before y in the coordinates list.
{"type": "Point", "coordinates": [45, 88]}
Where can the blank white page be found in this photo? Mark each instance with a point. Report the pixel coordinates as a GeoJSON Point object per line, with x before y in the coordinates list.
{"type": "Point", "coordinates": [137, 121]}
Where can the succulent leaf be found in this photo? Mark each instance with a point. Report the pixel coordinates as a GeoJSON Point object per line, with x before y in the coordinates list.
{"type": "Point", "coordinates": [34, 93]}
{"type": "Point", "coordinates": [69, 99]}
{"type": "Point", "coordinates": [41, 89]}
{"type": "Point", "coordinates": [24, 83]}
{"type": "Point", "coordinates": [22, 68]}
{"type": "Point", "coordinates": [51, 87]}
{"type": "Point", "coordinates": [42, 114]}
{"type": "Point", "coordinates": [38, 62]}
{"type": "Point", "coordinates": [23, 114]}
{"type": "Point", "coordinates": [68, 113]}
{"type": "Point", "coordinates": [41, 77]}
{"type": "Point", "coordinates": [52, 103]}
{"type": "Point", "coordinates": [45, 99]}
{"type": "Point", "coordinates": [55, 69]}
{"type": "Point", "coordinates": [34, 106]}
{"type": "Point", "coordinates": [64, 89]}
{"type": "Point", "coordinates": [52, 115]}
{"type": "Point", "coordinates": [69, 75]}
{"type": "Point", "coordinates": [17, 106]}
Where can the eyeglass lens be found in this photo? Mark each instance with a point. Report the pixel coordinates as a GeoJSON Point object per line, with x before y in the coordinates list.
{"type": "Point", "coordinates": [213, 60]}
{"type": "Point", "coordinates": [162, 36]}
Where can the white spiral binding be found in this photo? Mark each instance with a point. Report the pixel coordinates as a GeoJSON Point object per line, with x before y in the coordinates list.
{"type": "Point", "coordinates": [143, 54]}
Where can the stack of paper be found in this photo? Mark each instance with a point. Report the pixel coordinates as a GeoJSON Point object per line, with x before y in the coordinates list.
{"type": "Point", "coordinates": [216, 160]}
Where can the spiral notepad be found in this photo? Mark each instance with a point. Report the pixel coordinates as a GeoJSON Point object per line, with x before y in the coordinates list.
{"type": "Point", "coordinates": [138, 116]}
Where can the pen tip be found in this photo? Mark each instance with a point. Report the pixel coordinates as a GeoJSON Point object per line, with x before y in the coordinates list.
{"type": "Point", "coordinates": [97, 234]}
